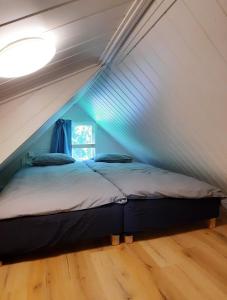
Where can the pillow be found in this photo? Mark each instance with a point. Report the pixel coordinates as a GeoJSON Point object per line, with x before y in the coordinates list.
{"type": "Point", "coordinates": [113, 158]}
{"type": "Point", "coordinates": [52, 159]}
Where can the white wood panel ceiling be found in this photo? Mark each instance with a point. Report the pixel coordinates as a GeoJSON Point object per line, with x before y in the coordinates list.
{"type": "Point", "coordinates": [165, 96]}
{"type": "Point", "coordinates": [81, 30]}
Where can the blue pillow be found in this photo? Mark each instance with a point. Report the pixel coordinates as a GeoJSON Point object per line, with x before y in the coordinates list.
{"type": "Point", "coordinates": [113, 158]}
{"type": "Point", "coordinates": [52, 159]}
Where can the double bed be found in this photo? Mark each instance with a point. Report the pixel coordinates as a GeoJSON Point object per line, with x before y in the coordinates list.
{"type": "Point", "coordinates": [54, 207]}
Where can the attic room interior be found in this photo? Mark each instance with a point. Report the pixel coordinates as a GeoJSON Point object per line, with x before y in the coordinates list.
{"type": "Point", "coordinates": [113, 181]}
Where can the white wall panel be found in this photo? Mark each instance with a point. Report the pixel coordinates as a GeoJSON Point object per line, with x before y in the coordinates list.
{"type": "Point", "coordinates": [164, 97]}
{"type": "Point", "coordinates": [23, 116]}
{"type": "Point", "coordinates": [103, 142]}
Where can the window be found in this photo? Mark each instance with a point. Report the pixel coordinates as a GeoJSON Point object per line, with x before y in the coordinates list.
{"type": "Point", "coordinates": [83, 141]}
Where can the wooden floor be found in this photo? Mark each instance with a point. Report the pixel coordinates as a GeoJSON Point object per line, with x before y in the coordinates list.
{"type": "Point", "coordinates": [181, 265]}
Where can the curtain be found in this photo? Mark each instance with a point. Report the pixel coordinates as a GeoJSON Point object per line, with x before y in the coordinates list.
{"type": "Point", "coordinates": [61, 139]}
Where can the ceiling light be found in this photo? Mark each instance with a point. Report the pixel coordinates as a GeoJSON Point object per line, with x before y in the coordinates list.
{"type": "Point", "coordinates": [25, 56]}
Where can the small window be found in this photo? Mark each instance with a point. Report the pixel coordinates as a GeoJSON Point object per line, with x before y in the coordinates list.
{"type": "Point", "coordinates": [83, 141]}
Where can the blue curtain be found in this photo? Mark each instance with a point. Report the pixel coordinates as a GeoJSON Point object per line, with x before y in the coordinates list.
{"type": "Point", "coordinates": [61, 139]}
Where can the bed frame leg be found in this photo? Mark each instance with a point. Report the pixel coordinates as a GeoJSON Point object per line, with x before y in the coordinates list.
{"type": "Point", "coordinates": [212, 223]}
{"type": "Point", "coordinates": [128, 239]}
{"type": "Point", "coordinates": [115, 240]}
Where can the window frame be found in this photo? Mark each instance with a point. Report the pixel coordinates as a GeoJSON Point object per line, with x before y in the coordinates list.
{"type": "Point", "coordinates": [93, 145]}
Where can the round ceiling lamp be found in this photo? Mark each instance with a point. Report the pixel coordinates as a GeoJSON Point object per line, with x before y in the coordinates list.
{"type": "Point", "coordinates": [25, 56]}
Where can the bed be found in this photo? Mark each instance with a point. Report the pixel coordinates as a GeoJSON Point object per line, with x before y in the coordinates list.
{"type": "Point", "coordinates": [157, 198]}
{"type": "Point", "coordinates": [54, 207]}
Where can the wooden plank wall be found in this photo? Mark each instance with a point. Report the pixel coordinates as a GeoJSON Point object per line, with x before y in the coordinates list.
{"type": "Point", "coordinates": [21, 117]}
{"type": "Point", "coordinates": [165, 96]}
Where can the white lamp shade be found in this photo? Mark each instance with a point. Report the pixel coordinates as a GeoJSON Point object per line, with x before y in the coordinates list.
{"type": "Point", "coordinates": [25, 56]}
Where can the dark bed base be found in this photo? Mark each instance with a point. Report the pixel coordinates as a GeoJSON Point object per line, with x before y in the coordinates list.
{"type": "Point", "coordinates": [143, 215]}
{"type": "Point", "coordinates": [36, 234]}
{"type": "Point", "coordinates": [30, 235]}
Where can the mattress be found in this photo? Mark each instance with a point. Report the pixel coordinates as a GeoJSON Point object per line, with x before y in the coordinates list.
{"type": "Point", "coordinates": [143, 181]}
{"type": "Point", "coordinates": [54, 189]}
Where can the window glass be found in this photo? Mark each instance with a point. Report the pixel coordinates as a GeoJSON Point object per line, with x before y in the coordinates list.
{"type": "Point", "coordinates": [82, 134]}
{"type": "Point", "coordinates": [83, 141]}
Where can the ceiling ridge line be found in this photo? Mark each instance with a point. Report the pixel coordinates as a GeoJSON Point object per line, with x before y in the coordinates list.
{"type": "Point", "coordinates": [141, 27]}
{"type": "Point", "coordinates": [148, 30]}
{"type": "Point", "coordinates": [133, 16]}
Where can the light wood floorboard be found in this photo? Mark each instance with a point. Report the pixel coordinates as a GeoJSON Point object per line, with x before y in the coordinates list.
{"type": "Point", "coordinates": [188, 264]}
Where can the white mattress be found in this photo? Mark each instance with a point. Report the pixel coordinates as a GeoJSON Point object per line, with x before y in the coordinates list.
{"type": "Point", "coordinates": [53, 189]}
{"type": "Point", "coordinates": [138, 180]}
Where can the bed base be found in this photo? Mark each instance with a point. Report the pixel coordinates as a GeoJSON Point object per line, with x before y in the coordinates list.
{"type": "Point", "coordinates": [30, 235]}
{"type": "Point", "coordinates": [115, 240]}
{"type": "Point", "coordinates": [128, 239]}
{"type": "Point", "coordinates": [145, 215]}
{"type": "Point", "coordinates": [212, 223]}
{"type": "Point", "coordinates": [34, 235]}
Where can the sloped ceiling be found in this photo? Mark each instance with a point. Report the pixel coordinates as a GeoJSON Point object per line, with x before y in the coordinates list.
{"type": "Point", "coordinates": [22, 117]}
{"type": "Point", "coordinates": [84, 32]}
{"type": "Point", "coordinates": [81, 30]}
{"type": "Point", "coordinates": [164, 97]}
